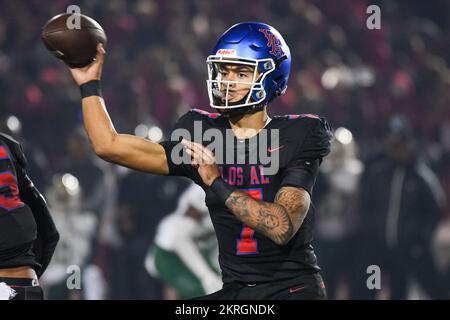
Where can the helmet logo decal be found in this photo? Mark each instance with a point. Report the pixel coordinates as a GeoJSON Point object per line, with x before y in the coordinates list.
{"type": "Point", "coordinates": [227, 52]}
{"type": "Point", "coordinates": [273, 42]}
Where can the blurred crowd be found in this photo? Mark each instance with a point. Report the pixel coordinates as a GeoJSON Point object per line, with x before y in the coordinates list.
{"type": "Point", "coordinates": [381, 198]}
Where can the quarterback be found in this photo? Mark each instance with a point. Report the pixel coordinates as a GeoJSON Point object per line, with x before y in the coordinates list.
{"type": "Point", "coordinates": [262, 218]}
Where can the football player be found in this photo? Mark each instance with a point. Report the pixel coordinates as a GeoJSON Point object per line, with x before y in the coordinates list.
{"type": "Point", "coordinates": [261, 217]}
{"type": "Point", "coordinates": [28, 236]}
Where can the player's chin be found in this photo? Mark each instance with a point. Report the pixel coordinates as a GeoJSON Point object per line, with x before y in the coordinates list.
{"type": "Point", "coordinates": [231, 102]}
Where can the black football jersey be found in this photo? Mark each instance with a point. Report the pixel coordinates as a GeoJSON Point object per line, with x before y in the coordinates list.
{"type": "Point", "coordinates": [18, 228]}
{"type": "Point", "coordinates": [301, 143]}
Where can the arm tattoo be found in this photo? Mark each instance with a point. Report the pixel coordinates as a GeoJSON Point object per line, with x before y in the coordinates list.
{"type": "Point", "coordinates": [278, 221]}
{"type": "Point", "coordinates": [296, 201]}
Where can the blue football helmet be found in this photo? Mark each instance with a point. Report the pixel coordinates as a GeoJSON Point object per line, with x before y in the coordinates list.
{"type": "Point", "coordinates": [253, 44]}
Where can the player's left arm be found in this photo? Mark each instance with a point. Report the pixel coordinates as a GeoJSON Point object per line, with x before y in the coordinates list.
{"type": "Point", "coordinates": [279, 220]}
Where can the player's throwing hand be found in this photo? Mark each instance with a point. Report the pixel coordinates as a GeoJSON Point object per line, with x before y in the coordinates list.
{"type": "Point", "coordinates": [92, 71]}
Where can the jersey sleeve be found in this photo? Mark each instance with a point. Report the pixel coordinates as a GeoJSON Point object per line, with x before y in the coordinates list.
{"type": "Point", "coordinates": [302, 169]}
{"type": "Point", "coordinates": [172, 146]}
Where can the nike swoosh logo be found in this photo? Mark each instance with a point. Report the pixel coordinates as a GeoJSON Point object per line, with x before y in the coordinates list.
{"type": "Point", "coordinates": [293, 290]}
{"type": "Point", "coordinates": [270, 150]}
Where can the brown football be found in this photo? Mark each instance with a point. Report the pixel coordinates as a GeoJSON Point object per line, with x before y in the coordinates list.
{"type": "Point", "coordinates": [74, 43]}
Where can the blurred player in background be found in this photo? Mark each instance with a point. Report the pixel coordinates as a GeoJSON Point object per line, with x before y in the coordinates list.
{"type": "Point", "coordinates": [185, 256]}
{"type": "Point", "coordinates": [261, 220]}
{"type": "Point", "coordinates": [139, 214]}
{"type": "Point", "coordinates": [28, 236]}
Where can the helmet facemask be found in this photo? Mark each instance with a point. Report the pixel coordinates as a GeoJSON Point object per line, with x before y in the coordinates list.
{"type": "Point", "coordinates": [219, 89]}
